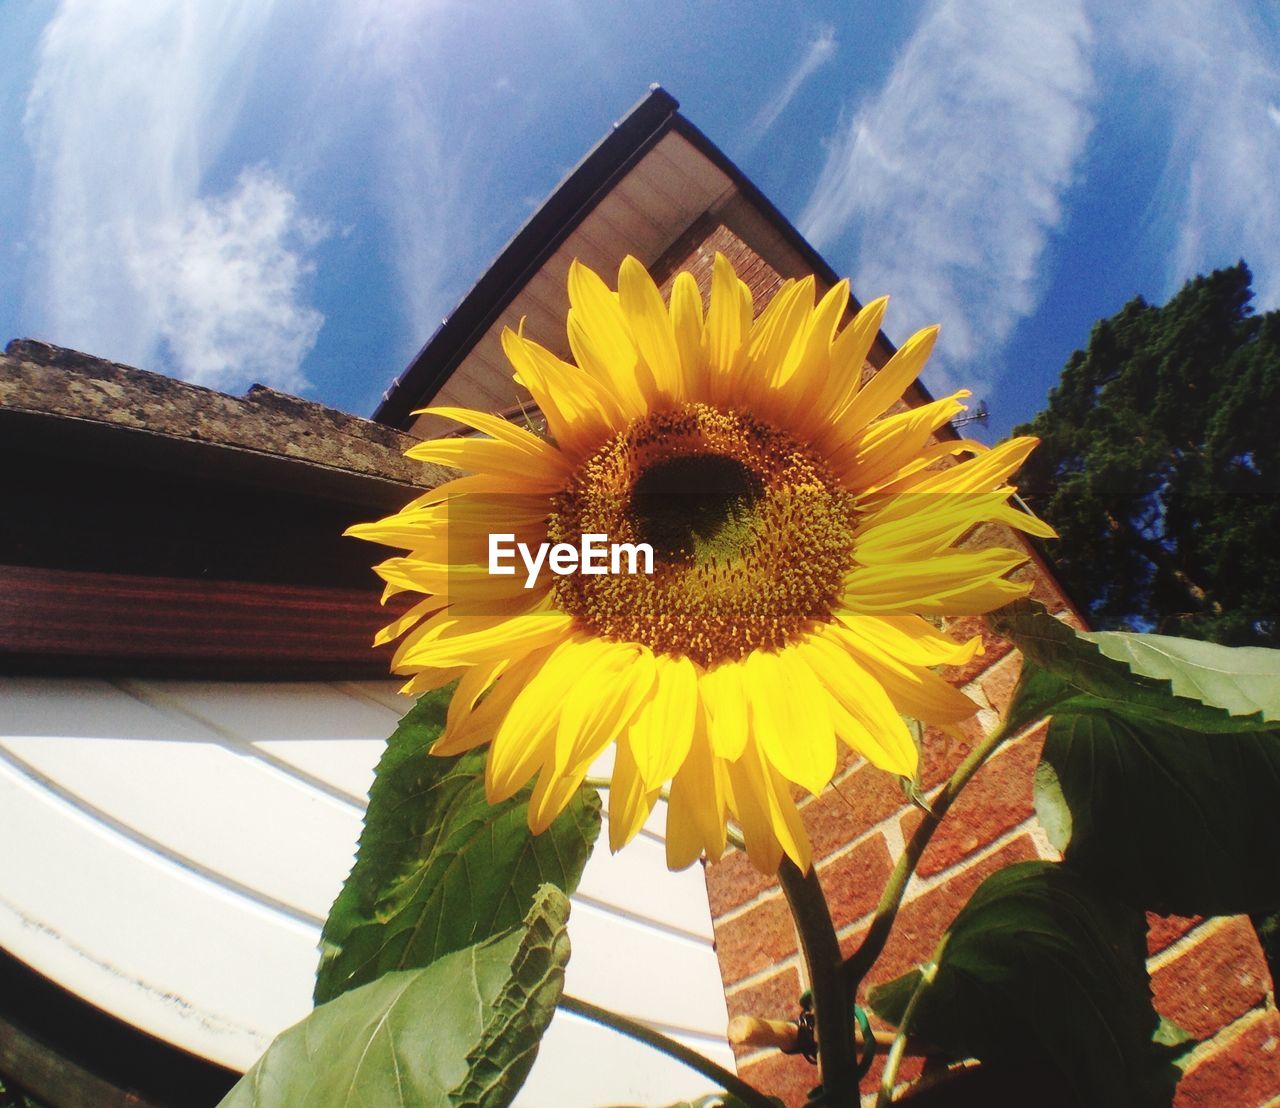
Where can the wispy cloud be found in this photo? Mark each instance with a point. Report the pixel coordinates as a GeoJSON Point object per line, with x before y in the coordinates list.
{"type": "Point", "coordinates": [130, 106]}
{"type": "Point", "coordinates": [821, 49]}
{"type": "Point", "coordinates": [944, 188]}
{"type": "Point", "coordinates": [402, 62]}
{"type": "Point", "coordinates": [224, 279]}
{"type": "Point", "coordinates": [1217, 61]}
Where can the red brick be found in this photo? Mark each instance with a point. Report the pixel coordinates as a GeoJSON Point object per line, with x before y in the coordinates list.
{"type": "Point", "coordinates": [941, 753]}
{"type": "Point", "coordinates": [995, 801]}
{"type": "Point", "coordinates": [1215, 980]}
{"type": "Point", "coordinates": [1242, 1069]}
{"type": "Point", "coordinates": [755, 940]}
{"type": "Point", "coordinates": [1047, 589]}
{"type": "Point", "coordinates": [994, 647]}
{"type": "Point", "coordinates": [988, 535]}
{"type": "Point", "coordinates": [845, 758]}
{"type": "Point", "coordinates": [787, 1076]}
{"type": "Point", "coordinates": [909, 1070]}
{"type": "Point", "coordinates": [764, 933]}
{"type": "Point", "coordinates": [1163, 931]}
{"type": "Point", "coordinates": [992, 1086]}
{"type": "Point", "coordinates": [1000, 680]}
{"type": "Point", "coordinates": [853, 882]}
{"type": "Point", "coordinates": [1043, 587]}
{"type": "Point", "coordinates": [776, 997]}
{"type": "Point", "coordinates": [733, 881]}
{"type": "Point", "coordinates": [921, 922]}
{"type": "Point", "coordinates": [850, 808]}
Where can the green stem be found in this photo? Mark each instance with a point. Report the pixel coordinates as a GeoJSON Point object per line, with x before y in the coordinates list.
{"type": "Point", "coordinates": [898, 1048]}
{"type": "Point", "coordinates": [831, 1008]}
{"type": "Point", "coordinates": [862, 959]}
{"type": "Point", "coordinates": [730, 1082]}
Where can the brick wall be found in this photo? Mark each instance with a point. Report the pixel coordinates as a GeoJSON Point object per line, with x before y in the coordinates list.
{"type": "Point", "coordinates": [1207, 975]}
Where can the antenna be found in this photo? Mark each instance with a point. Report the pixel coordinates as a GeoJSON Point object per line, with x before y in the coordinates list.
{"type": "Point", "coordinates": [979, 415]}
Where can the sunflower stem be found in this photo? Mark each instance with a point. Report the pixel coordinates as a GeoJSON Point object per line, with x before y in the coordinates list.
{"type": "Point", "coordinates": [898, 1048]}
{"type": "Point", "coordinates": [831, 1007]}
{"type": "Point", "coordinates": [861, 960]}
{"type": "Point", "coordinates": [730, 1082]}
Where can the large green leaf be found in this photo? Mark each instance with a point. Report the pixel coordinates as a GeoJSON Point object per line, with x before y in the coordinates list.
{"type": "Point", "coordinates": [462, 1033]}
{"type": "Point", "coordinates": [439, 868]}
{"type": "Point", "coordinates": [1242, 680]}
{"type": "Point", "coordinates": [1167, 801]}
{"type": "Point", "coordinates": [1039, 967]}
{"type": "Point", "coordinates": [1080, 668]}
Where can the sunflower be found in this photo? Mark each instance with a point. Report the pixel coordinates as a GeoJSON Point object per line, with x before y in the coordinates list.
{"type": "Point", "coordinates": [802, 540]}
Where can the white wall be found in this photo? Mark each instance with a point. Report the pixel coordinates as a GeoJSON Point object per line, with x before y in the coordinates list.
{"type": "Point", "coordinates": [171, 849]}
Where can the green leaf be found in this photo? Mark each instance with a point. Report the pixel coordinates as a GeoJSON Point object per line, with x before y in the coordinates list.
{"type": "Point", "coordinates": [439, 868]}
{"type": "Point", "coordinates": [1039, 967]}
{"type": "Point", "coordinates": [1077, 666]}
{"type": "Point", "coordinates": [462, 1033]}
{"type": "Point", "coordinates": [1242, 680]}
{"type": "Point", "coordinates": [1166, 801]}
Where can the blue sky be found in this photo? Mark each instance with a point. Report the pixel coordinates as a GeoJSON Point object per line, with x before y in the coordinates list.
{"type": "Point", "coordinates": [298, 193]}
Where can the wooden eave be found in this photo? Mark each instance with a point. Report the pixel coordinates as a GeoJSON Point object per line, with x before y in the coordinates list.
{"type": "Point", "coordinates": [653, 180]}
{"type": "Point", "coordinates": [153, 527]}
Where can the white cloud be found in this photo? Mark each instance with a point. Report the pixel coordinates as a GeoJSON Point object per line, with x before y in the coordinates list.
{"type": "Point", "coordinates": [130, 106]}
{"type": "Point", "coordinates": [820, 50]}
{"type": "Point", "coordinates": [949, 182]}
{"type": "Point", "coordinates": [1217, 61]}
{"type": "Point", "coordinates": [224, 279]}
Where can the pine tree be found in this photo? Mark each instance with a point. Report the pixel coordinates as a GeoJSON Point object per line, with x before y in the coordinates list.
{"type": "Point", "coordinates": [1160, 466]}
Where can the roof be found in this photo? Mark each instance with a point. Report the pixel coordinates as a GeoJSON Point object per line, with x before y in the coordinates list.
{"type": "Point", "coordinates": [638, 192]}
{"type": "Point", "coordinates": [162, 528]}
{"type": "Point", "coordinates": [48, 390]}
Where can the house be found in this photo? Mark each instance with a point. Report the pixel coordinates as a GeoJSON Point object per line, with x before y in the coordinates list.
{"type": "Point", "coordinates": [192, 712]}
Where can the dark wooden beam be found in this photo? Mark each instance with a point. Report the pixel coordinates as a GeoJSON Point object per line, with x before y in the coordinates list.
{"type": "Point", "coordinates": [75, 622]}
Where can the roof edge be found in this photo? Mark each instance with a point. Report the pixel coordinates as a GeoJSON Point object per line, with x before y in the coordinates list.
{"type": "Point", "coordinates": [567, 206]}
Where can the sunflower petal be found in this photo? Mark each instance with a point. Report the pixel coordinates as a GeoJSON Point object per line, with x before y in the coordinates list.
{"type": "Point", "coordinates": [726, 332]}
{"type": "Point", "coordinates": [630, 799]}
{"type": "Point", "coordinates": [963, 583]}
{"type": "Point", "coordinates": [789, 719]}
{"type": "Point", "coordinates": [651, 329]}
{"type": "Point", "coordinates": [686, 324]}
{"type": "Point", "coordinates": [725, 702]}
{"type": "Point", "coordinates": [601, 341]}
{"type": "Point", "coordinates": [696, 810]}
{"type": "Point", "coordinates": [663, 727]}
{"type": "Point", "coordinates": [890, 382]}
{"type": "Point", "coordinates": [914, 689]}
{"type": "Point", "coordinates": [771, 824]}
{"type": "Point", "coordinates": [889, 742]}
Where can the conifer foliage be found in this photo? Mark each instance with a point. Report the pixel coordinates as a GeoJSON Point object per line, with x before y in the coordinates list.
{"type": "Point", "coordinates": [1160, 466]}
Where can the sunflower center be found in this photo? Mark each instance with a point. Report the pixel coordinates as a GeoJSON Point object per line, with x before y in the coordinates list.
{"type": "Point", "coordinates": [695, 508]}
{"type": "Point", "coordinates": [752, 535]}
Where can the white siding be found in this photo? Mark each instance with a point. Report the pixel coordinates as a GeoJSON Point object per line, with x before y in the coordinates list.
{"type": "Point", "coordinates": [171, 849]}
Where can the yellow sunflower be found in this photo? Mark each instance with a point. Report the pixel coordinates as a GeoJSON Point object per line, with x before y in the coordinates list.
{"type": "Point", "coordinates": [800, 537]}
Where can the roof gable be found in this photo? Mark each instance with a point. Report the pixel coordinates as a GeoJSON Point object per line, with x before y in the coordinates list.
{"type": "Point", "coordinates": [650, 188]}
